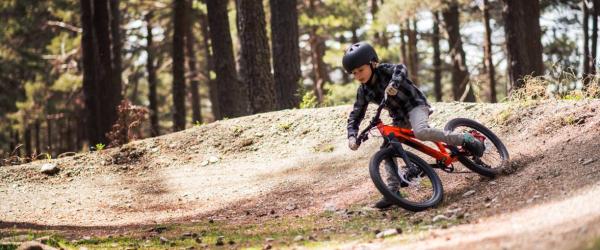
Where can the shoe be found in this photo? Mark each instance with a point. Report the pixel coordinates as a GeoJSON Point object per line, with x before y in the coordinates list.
{"type": "Point", "coordinates": [383, 203]}
{"type": "Point", "coordinates": [473, 145]}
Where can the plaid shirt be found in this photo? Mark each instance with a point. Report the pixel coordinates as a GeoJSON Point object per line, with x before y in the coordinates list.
{"type": "Point", "coordinates": [398, 106]}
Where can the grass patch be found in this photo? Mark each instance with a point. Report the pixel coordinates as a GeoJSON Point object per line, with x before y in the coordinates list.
{"type": "Point", "coordinates": [285, 126]}
{"type": "Point", "coordinates": [593, 244]}
{"type": "Point", "coordinates": [326, 148]}
{"type": "Point", "coordinates": [326, 229]}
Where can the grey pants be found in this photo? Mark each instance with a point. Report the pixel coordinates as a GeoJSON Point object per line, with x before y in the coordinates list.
{"type": "Point", "coordinates": [419, 122]}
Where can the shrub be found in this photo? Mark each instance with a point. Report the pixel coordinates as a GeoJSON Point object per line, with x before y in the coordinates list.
{"type": "Point", "coordinates": [126, 127]}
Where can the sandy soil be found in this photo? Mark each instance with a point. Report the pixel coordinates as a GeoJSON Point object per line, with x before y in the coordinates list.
{"type": "Point", "coordinates": [296, 162]}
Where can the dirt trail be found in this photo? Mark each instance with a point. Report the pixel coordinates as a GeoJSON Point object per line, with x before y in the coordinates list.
{"type": "Point", "coordinates": [299, 159]}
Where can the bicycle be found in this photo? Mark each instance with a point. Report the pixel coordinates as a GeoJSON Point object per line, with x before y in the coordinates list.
{"type": "Point", "coordinates": [419, 175]}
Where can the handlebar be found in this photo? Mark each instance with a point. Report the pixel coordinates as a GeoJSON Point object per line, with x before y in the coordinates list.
{"type": "Point", "coordinates": [363, 136]}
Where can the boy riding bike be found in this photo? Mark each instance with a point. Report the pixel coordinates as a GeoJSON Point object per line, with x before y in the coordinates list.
{"type": "Point", "coordinates": [405, 103]}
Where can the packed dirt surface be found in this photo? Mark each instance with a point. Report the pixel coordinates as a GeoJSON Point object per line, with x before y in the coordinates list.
{"type": "Point", "coordinates": [296, 162]}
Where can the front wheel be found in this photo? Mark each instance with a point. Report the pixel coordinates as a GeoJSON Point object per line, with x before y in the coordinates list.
{"type": "Point", "coordinates": [414, 190]}
{"type": "Point", "coordinates": [495, 156]}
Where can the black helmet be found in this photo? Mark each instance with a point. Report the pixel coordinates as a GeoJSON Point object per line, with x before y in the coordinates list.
{"type": "Point", "coordinates": [358, 54]}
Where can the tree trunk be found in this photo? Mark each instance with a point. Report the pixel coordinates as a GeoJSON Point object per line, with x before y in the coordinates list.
{"type": "Point", "coordinates": [233, 95]}
{"type": "Point", "coordinates": [213, 87]}
{"type": "Point", "coordinates": [109, 93]}
{"type": "Point", "coordinates": [317, 49]}
{"type": "Point", "coordinates": [523, 40]}
{"type": "Point", "coordinates": [255, 60]}
{"type": "Point", "coordinates": [594, 55]}
{"type": "Point", "coordinates": [586, 39]}
{"type": "Point", "coordinates": [11, 142]}
{"type": "Point", "coordinates": [61, 132]}
{"type": "Point", "coordinates": [49, 136]}
{"type": "Point", "coordinates": [79, 132]}
{"type": "Point", "coordinates": [345, 76]}
{"type": "Point", "coordinates": [374, 10]}
{"type": "Point", "coordinates": [192, 63]}
{"type": "Point", "coordinates": [286, 51]}
{"type": "Point", "coordinates": [115, 23]}
{"type": "Point", "coordinates": [38, 147]}
{"type": "Point", "coordinates": [354, 36]}
{"type": "Point", "coordinates": [461, 86]}
{"type": "Point", "coordinates": [152, 81]}
{"type": "Point", "coordinates": [403, 50]}
{"type": "Point", "coordinates": [319, 69]}
{"type": "Point", "coordinates": [437, 60]}
{"type": "Point", "coordinates": [413, 63]}
{"type": "Point", "coordinates": [134, 79]}
{"type": "Point", "coordinates": [178, 88]}
{"type": "Point", "coordinates": [69, 137]}
{"type": "Point", "coordinates": [90, 62]}
{"type": "Point", "coordinates": [27, 138]}
{"type": "Point", "coordinates": [17, 148]}
{"type": "Point", "coordinates": [489, 62]}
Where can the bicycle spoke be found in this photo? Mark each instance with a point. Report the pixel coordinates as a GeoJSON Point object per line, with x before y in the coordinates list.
{"type": "Point", "coordinates": [415, 189]}
{"type": "Point", "coordinates": [491, 158]}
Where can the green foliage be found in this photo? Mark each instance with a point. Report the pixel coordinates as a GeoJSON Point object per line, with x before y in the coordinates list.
{"type": "Point", "coordinates": [100, 146]}
{"type": "Point", "coordinates": [568, 120]}
{"type": "Point", "coordinates": [68, 82]}
{"type": "Point", "coordinates": [338, 94]}
{"type": "Point", "coordinates": [309, 100]}
{"type": "Point", "coordinates": [325, 148]}
{"type": "Point", "coordinates": [285, 126]}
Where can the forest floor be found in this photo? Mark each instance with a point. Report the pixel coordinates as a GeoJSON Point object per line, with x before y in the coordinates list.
{"type": "Point", "coordinates": [286, 179]}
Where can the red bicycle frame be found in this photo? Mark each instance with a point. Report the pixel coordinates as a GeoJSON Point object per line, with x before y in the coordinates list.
{"type": "Point", "coordinates": [406, 136]}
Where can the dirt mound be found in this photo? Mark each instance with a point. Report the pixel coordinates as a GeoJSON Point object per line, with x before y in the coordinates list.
{"type": "Point", "coordinates": [296, 162]}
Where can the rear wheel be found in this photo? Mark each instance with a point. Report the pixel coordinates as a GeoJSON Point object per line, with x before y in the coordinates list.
{"type": "Point", "coordinates": [414, 190]}
{"type": "Point", "coordinates": [494, 158]}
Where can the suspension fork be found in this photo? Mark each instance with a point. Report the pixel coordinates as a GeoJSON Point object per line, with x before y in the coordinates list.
{"type": "Point", "coordinates": [392, 140]}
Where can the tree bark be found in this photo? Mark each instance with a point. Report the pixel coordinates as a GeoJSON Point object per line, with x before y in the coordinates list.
{"type": "Point", "coordinates": [317, 50]}
{"type": "Point", "coordinates": [413, 64]}
{"type": "Point", "coordinates": [255, 61]}
{"type": "Point", "coordinates": [286, 51]}
{"type": "Point", "coordinates": [403, 50]}
{"type": "Point", "coordinates": [80, 132]}
{"type": "Point", "coordinates": [152, 82]}
{"type": "Point", "coordinates": [461, 86]}
{"type": "Point", "coordinates": [49, 136]}
{"type": "Point", "coordinates": [594, 55]}
{"type": "Point", "coordinates": [437, 60]}
{"type": "Point", "coordinates": [489, 62]}
{"type": "Point", "coordinates": [374, 10]}
{"type": "Point", "coordinates": [233, 95]}
{"type": "Point", "coordinates": [68, 134]}
{"type": "Point", "coordinates": [354, 36]}
{"type": "Point", "coordinates": [213, 87]}
{"type": "Point", "coordinates": [27, 138]}
{"type": "Point", "coordinates": [523, 40]}
{"type": "Point", "coordinates": [90, 65]}
{"type": "Point", "coordinates": [109, 93]}
{"type": "Point", "coordinates": [115, 23]}
{"type": "Point", "coordinates": [586, 39]}
{"type": "Point", "coordinates": [11, 142]}
{"type": "Point", "coordinates": [178, 88]}
{"type": "Point", "coordinates": [17, 147]}
{"type": "Point", "coordinates": [192, 63]}
{"type": "Point", "coordinates": [36, 137]}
